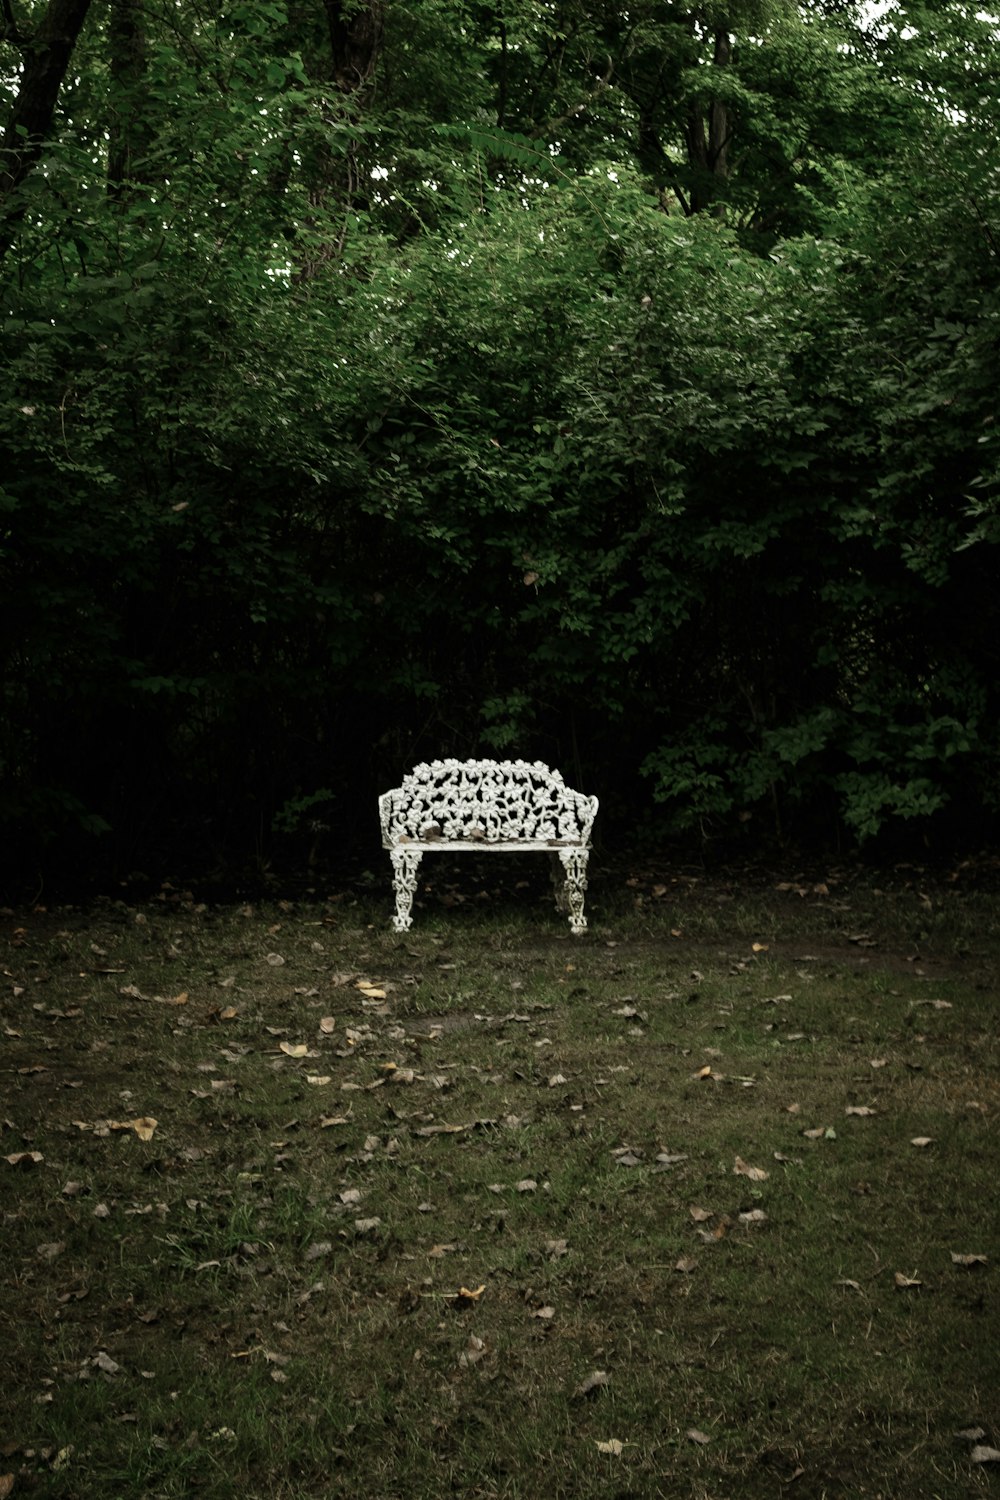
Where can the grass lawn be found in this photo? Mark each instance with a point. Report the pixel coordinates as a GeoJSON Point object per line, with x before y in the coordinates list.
{"type": "Point", "coordinates": [701, 1204]}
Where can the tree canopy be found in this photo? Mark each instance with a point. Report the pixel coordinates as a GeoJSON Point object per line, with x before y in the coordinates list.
{"type": "Point", "coordinates": [609, 384]}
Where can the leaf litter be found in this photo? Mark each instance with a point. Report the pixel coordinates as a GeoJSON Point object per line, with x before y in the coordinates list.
{"type": "Point", "coordinates": [418, 1126]}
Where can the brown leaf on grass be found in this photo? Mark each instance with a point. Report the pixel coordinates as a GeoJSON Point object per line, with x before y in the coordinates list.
{"type": "Point", "coordinates": [275, 960]}
{"type": "Point", "coordinates": [904, 1282]}
{"type": "Point", "coordinates": [971, 1434]}
{"type": "Point", "coordinates": [25, 1159]}
{"type": "Point", "coordinates": [699, 1215]}
{"type": "Point", "coordinates": [595, 1381]}
{"type": "Point", "coordinates": [49, 1252]}
{"type": "Point", "coordinates": [370, 991]}
{"type": "Point", "coordinates": [983, 1455]}
{"type": "Point", "coordinates": [753, 1216]}
{"type": "Point", "coordinates": [710, 1236]}
{"type": "Point", "coordinates": [145, 1127]}
{"type": "Point", "coordinates": [527, 1185]}
{"type": "Point", "coordinates": [968, 1260]}
{"type": "Point", "coordinates": [320, 1080]}
{"type": "Point", "coordinates": [555, 1249]}
{"type": "Point", "coordinates": [862, 1110]}
{"type": "Point", "coordinates": [465, 1297]}
{"type": "Point", "coordinates": [326, 1121]}
{"type": "Point", "coordinates": [327, 1025]}
{"type": "Point", "coordinates": [6, 1485]}
{"type": "Point", "coordinates": [546, 1314]}
{"type": "Point", "coordinates": [921, 1140]}
{"type": "Point", "coordinates": [474, 1351]}
{"type": "Point", "coordinates": [855, 1286]}
{"type": "Point", "coordinates": [685, 1265]}
{"type": "Point", "coordinates": [293, 1049]}
{"type": "Point", "coordinates": [614, 1446]}
{"type": "Point", "coordinates": [694, 1435]}
{"type": "Point", "coordinates": [742, 1169]}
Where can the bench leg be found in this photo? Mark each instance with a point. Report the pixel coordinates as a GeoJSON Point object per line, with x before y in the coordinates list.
{"type": "Point", "coordinates": [558, 884]}
{"type": "Point", "coordinates": [405, 863]}
{"type": "Point", "coordinates": [574, 863]}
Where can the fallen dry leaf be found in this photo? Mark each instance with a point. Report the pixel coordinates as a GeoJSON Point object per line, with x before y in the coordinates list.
{"type": "Point", "coordinates": [755, 1174]}
{"type": "Point", "coordinates": [983, 1455]}
{"type": "Point", "coordinates": [906, 1281]}
{"type": "Point", "coordinates": [699, 1215]}
{"type": "Point", "coordinates": [6, 1485]}
{"type": "Point", "coordinates": [595, 1381]}
{"type": "Point", "coordinates": [320, 1080]}
{"type": "Point", "coordinates": [685, 1265]}
{"type": "Point", "coordinates": [144, 1127]}
{"type": "Point", "coordinates": [25, 1159]}
{"type": "Point", "coordinates": [474, 1351]}
{"type": "Point", "coordinates": [696, 1436]}
{"type": "Point", "coordinates": [754, 1216]}
{"type": "Point", "coordinates": [862, 1110]}
{"type": "Point", "coordinates": [921, 1140]}
{"type": "Point", "coordinates": [327, 1024]}
{"type": "Point", "coordinates": [370, 991]}
{"type": "Point", "coordinates": [614, 1446]}
{"type": "Point", "coordinates": [293, 1049]}
{"type": "Point", "coordinates": [968, 1260]}
{"type": "Point", "coordinates": [466, 1298]}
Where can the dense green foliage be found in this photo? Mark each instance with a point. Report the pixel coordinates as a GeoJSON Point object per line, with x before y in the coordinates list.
{"type": "Point", "coordinates": [613, 386]}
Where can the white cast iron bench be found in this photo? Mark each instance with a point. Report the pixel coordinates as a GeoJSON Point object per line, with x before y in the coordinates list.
{"type": "Point", "coordinates": [505, 806]}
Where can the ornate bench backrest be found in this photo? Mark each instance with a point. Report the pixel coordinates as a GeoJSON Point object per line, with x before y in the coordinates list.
{"type": "Point", "coordinates": [493, 801]}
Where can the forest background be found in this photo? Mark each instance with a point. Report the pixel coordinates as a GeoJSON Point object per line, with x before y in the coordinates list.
{"type": "Point", "coordinates": [613, 385]}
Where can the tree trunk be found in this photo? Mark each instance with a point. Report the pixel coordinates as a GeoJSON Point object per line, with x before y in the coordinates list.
{"type": "Point", "coordinates": [128, 129]}
{"type": "Point", "coordinates": [707, 138]}
{"type": "Point", "coordinates": [46, 57]}
{"type": "Point", "coordinates": [355, 36]}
